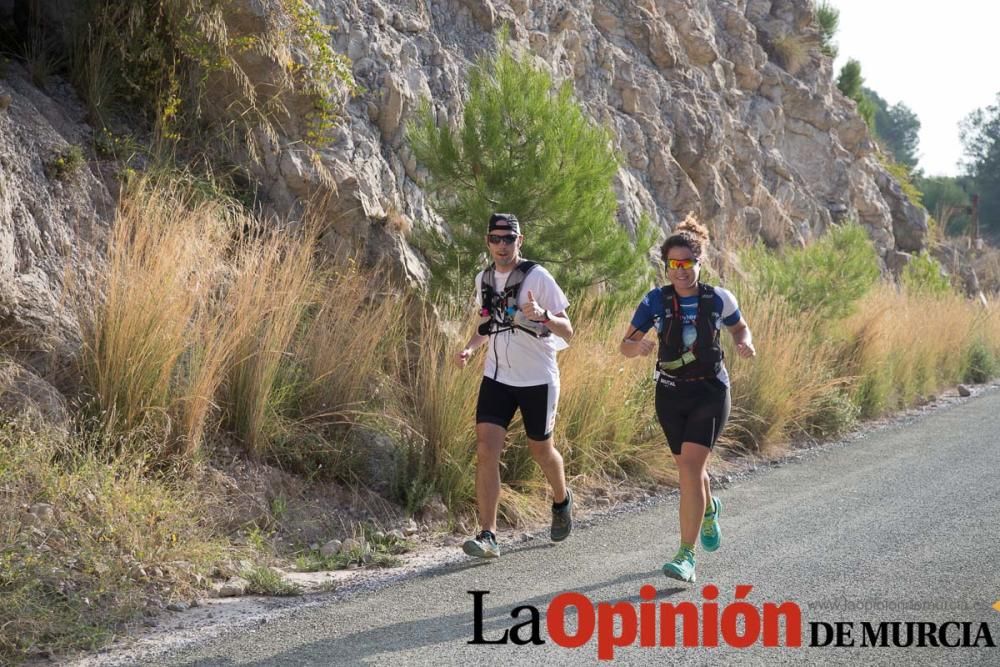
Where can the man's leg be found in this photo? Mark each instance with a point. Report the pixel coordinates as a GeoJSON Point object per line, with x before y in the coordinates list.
{"type": "Point", "coordinates": [489, 445]}
{"type": "Point", "coordinates": [549, 459]}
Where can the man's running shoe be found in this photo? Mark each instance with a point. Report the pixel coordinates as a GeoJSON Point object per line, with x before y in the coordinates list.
{"type": "Point", "coordinates": [711, 534]}
{"type": "Point", "coordinates": [681, 567]}
{"type": "Point", "coordinates": [562, 519]}
{"type": "Point", "coordinates": [483, 545]}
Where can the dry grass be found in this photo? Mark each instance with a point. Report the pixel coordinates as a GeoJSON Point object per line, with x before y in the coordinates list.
{"type": "Point", "coordinates": [791, 52]}
{"type": "Point", "coordinates": [438, 400]}
{"type": "Point", "coordinates": [785, 389]}
{"type": "Point", "coordinates": [273, 286]}
{"type": "Point", "coordinates": [606, 423]}
{"type": "Point", "coordinates": [349, 341]}
{"type": "Point", "coordinates": [900, 354]}
{"type": "Point", "coordinates": [138, 330]}
{"type": "Point", "coordinates": [86, 542]}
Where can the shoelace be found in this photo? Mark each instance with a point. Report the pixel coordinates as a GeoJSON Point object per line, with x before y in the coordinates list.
{"type": "Point", "coordinates": [485, 536]}
{"type": "Point", "coordinates": [684, 556]}
{"type": "Point", "coordinates": [708, 526]}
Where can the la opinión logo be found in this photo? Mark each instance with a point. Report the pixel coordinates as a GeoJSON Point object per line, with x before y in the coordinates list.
{"type": "Point", "coordinates": [739, 624]}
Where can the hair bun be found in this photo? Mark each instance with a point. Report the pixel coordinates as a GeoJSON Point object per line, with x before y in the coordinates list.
{"type": "Point", "coordinates": [691, 226]}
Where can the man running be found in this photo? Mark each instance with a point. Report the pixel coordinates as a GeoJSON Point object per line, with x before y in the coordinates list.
{"type": "Point", "coordinates": [523, 318]}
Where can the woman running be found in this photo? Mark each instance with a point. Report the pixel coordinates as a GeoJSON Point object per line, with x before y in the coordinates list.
{"type": "Point", "coordinates": [692, 385]}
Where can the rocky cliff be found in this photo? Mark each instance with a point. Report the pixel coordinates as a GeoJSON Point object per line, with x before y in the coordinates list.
{"type": "Point", "coordinates": [712, 111]}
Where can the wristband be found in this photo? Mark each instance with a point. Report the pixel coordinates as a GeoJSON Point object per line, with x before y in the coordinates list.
{"type": "Point", "coordinates": [546, 316]}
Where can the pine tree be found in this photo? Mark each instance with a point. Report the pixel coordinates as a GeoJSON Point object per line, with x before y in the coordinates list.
{"type": "Point", "coordinates": [525, 146]}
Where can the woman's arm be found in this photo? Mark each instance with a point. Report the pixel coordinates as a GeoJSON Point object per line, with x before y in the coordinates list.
{"type": "Point", "coordinates": [634, 345]}
{"type": "Point", "coordinates": [743, 339]}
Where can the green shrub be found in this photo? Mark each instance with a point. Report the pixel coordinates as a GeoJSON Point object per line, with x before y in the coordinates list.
{"type": "Point", "coordinates": [826, 278]}
{"type": "Point", "coordinates": [903, 176]}
{"type": "Point", "coordinates": [922, 275]}
{"type": "Point", "coordinates": [264, 580]}
{"type": "Point", "coordinates": [168, 58]}
{"type": "Point", "coordinates": [828, 20]}
{"type": "Point", "coordinates": [525, 146]}
{"type": "Point", "coordinates": [981, 364]}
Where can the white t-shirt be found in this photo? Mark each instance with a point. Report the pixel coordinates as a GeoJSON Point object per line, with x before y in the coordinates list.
{"type": "Point", "coordinates": [515, 357]}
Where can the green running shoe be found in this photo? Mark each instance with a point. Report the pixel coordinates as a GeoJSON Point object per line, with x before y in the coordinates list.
{"type": "Point", "coordinates": [562, 520]}
{"type": "Point", "coordinates": [483, 545]}
{"type": "Point", "coordinates": [711, 534]}
{"type": "Point", "coordinates": [681, 567]}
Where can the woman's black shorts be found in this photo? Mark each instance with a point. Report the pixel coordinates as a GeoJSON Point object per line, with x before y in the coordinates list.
{"type": "Point", "coordinates": [692, 411]}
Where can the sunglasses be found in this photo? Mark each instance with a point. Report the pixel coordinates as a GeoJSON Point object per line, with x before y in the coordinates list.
{"type": "Point", "coordinates": [681, 263]}
{"type": "Point", "coordinates": [507, 239]}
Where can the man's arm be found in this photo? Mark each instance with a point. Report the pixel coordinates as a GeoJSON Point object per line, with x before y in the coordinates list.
{"type": "Point", "coordinates": [477, 339]}
{"type": "Point", "coordinates": [557, 323]}
{"type": "Point", "coordinates": [560, 325]}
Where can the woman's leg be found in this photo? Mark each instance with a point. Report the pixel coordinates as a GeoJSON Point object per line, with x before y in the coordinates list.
{"type": "Point", "coordinates": [692, 468]}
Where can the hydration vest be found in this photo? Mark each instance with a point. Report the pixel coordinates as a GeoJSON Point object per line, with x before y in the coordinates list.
{"type": "Point", "coordinates": [704, 358]}
{"type": "Point", "coordinates": [501, 307]}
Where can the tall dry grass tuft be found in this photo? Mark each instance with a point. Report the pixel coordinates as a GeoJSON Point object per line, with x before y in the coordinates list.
{"type": "Point", "coordinates": [137, 332]}
{"type": "Point", "coordinates": [905, 347]}
{"type": "Point", "coordinates": [348, 343]}
{"type": "Point", "coordinates": [789, 386]}
{"type": "Point", "coordinates": [606, 424]}
{"type": "Point", "coordinates": [438, 399]}
{"type": "Point", "coordinates": [273, 285]}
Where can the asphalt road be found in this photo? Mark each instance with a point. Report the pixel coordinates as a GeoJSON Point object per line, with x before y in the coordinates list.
{"type": "Point", "coordinates": [901, 525]}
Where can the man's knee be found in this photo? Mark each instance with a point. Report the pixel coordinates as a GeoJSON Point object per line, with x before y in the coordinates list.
{"type": "Point", "coordinates": [542, 450]}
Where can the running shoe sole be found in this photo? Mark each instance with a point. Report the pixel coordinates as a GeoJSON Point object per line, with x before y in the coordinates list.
{"type": "Point", "coordinates": [474, 548]}
{"type": "Point", "coordinates": [673, 574]}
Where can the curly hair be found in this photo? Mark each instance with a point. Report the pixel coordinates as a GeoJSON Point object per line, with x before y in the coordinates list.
{"type": "Point", "coordinates": [690, 234]}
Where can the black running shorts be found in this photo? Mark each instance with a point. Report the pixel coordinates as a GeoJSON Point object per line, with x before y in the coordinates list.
{"type": "Point", "coordinates": [692, 412]}
{"type": "Point", "coordinates": [498, 402]}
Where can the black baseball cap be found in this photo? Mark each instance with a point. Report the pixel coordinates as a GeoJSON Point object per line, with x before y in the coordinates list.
{"type": "Point", "coordinates": [505, 222]}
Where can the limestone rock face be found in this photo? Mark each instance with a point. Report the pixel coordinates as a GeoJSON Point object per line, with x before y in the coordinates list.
{"type": "Point", "coordinates": [705, 116]}
{"type": "Point", "coordinates": [54, 212]}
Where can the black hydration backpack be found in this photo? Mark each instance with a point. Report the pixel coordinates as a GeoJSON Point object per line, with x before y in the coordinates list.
{"type": "Point", "coordinates": [501, 307]}
{"type": "Point", "coordinates": [704, 358]}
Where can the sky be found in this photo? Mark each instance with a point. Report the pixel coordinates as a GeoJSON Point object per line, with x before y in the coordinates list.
{"type": "Point", "coordinates": [942, 60]}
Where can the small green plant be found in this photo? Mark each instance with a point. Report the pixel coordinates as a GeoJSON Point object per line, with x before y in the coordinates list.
{"type": "Point", "coordinates": [259, 539]}
{"type": "Point", "coordinates": [904, 177]}
{"type": "Point", "coordinates": [279, 507]}
{"type": "Point", "coordinates": [828, 20]}
{"type": "Point", "coordinates": [413, 483]}
{"type": "Point", "coordinates": [264, 580]}
{"type": "Point", "coordinates": [981, 364]}
{"type": "Point", "coordinates": [373, 548]}
{"type": "Point", "coordinates": [923, 275]}
{"type": "Point", "coordinates": [66, 163]}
